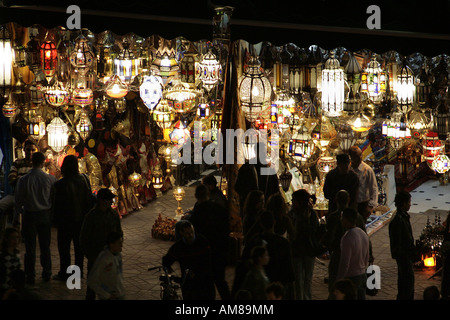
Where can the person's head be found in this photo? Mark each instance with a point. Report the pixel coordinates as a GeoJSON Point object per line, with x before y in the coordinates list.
{"type": "Point", "coordinates": [29, 147]}
{"type": "Point", "coordinates": [431, 293]}
{"type": "Point", "coordinates": [259, 256]}
{"type": "Point", "coordinates": [254, 201]}
{"type": "Point", "coordinates": [343, 163]}
{"type": "Point", "coordinates": [403, 200]}
{"type": "Point", "coordinates": [365, 209]}
{"type": "Point", "coordinates": [186, 231]}
{"type": "Point", "coordinates": [69, 166]}
{"type": "Point", "coordinates": [11, 238]}
{"type": "Point", "coordinates": [210, 181]}
{"type": "Point", "coordinates": [275, 291]}
{"type": "Point", "coordinates": [201, 193]}
{"type": "Point", "coordinates": [355, 156]}
{"type": "Point", "coordinates": [267, 220]}
{"type": "Point", "coordinates": [342, 199]}
{"type": "Point", "coordinates": [277, 205]}
{"type": "Point", "coordinates": [114, 241]}
{"type": "Point", "coordinates": [300, 199]}
{"type": "Point", "coordinates": [105, 198]}
{"type": "Point", "coordinates": [38, 159]}
{"type": "Point", "coordinates": [349, 216]}
{"type": "Point", "coordinates": [344, 289]}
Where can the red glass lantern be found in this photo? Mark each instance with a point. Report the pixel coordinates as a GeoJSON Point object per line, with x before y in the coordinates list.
{"type": "Point", "coordinates": [49, 59]}
{"type": "Point", "coordinates": [432, 147]}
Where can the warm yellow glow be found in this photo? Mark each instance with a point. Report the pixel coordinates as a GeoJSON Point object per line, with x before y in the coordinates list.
{"type": "Point", "coordinates": [429, 262]}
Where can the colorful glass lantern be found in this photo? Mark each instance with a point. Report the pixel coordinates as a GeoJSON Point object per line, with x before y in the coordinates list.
{"type": "Point", "coordinates": [126, 66]}
{"type": "Point", "coordinates": [180, 134]}
{"type": "Point", "coordinates": [6, 59]}
{"type": "Point", "coordinates": [332, 87]}
{"type": "Point", "coordinates": [282, 107]}
{"type": "Point", "coordinates": [203, 110]}
{"type": "Point", "coordinates": [325, 164]}
{"type": "Point", "coordinates": [346, 137]}
{"type": "Point", "coordinates": [165, 66]}
{"type": "Point", "coordinates": [116, 88]}
{"type": "Point", "coordinates": [352, 72]}
{"type": "Point", "coordinates": [254, 90]}
{"type": "Point", "coordinates": [9, 108]}
{"type": "Point", "coordinates": [36, 127]}
{"type": "Point", "coordinates": [57, 97]}
{"type": "Point", "coordinates": [188, 66]}
{"type": "Point", "coordinates": [418, 123]}
{"type": "Point", "coordinates": [360, 122]}
{"type": "Point", "coordinates": [163, 114]}
{"type": "Point", "coordinates": [180, 98]}
{"type": "Point", "coordinates": [82, 96]}
{"type": "Point", "coordinates": [405, 87]}
{"type": "Point", "coordinates": [157, 178]}
{"type": "Point", "coordinates": [301, 146]}
{"type": "Point", "coordinates": [84, 126]}
{"type": "Point", "coordinates": [432, 146]}
{"type": "Point", "coordinates": [151, 91]}
{"type": "Point", "coordinates": [440, 163]}
{"type": "Point", "coordinates": [210, 70]}
{"type": "Point", "coordinates": [49, 59]}
{"type": "Point", "coordinates": [58, 133]}
{"type": "Point", "coordinates": [82, 58]}
{"type": "Point", "coordinates": [373, 80]}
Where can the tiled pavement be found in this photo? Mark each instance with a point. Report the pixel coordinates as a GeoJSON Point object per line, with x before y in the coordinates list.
{"type": "Point", "coordinates": [141, 251]}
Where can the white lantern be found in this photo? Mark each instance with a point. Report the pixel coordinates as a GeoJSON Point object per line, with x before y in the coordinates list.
{"type": "Point", "coordinates": [151, 91]}
{"type": "Point", "coordinates": [210, 70]}
{"type": "Point", "coordinates": [126, 66]}
{"type": "Point", "coordinates": [373, 80]}
{"type": "Point", "coordinates": [6, 58]}
{"type": "Point", "coordinates": [332, 87]}
{"type": "Point", "coordinates": [405, 87]}
{"type": "Point", "coordinates": [58, 134]}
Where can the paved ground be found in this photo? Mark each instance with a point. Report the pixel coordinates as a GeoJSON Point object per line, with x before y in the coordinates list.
{"type": "Point", "coordinates": [141, 251]}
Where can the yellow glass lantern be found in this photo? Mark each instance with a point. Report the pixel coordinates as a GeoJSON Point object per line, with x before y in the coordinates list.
{"type": "Point", "coordinates": [163, 114]}
{"type": "Point", "coordinates": [157, 178]}
{"type": "Point", "coordinates": [58, 133]}
{"type": "Point", "coordinates": [84, 126]}
{"type": "Point", "coordinates": [126, 66]}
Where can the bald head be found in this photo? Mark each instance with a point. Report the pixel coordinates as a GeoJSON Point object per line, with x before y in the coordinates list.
{"type": "Point", "coordinates": [356, 156]}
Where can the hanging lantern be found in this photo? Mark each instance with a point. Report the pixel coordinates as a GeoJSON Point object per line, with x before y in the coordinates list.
{"type": "Point", "coordinates": [373, 80]}
{"type": "Point", "coordinates": [49, 59]}
{"type": "Point", "coordinates": [6, 59]}
{"type": "Point", "coordinates": [210, 70]}
{"type": "Point", "coordinates": [57, 132]}
{"type": "Point", "coordinates": [33, 54]}
{"type": "Point", "coordinates": [405, 87]}
{"type": "Point", "coordinates": [332, 87]}
{"type": "Point", "coordinates": [36, 127]}
{"type": "Point", "coordinates": [254, 90]}
{"type": "Point", "coordinates": [36, 93]}
{"type": "Point", "coordinates": [180, 134]}
{"type": "Point", "coordinates": [325, 164]}
{"type": "Point", "coordinates": [135, 180]}
{"type": "Point", "coordinates": [285, 179]}
{"type": "Point", "coordinates": [424, 88]}
{"type": "Point", "coordinates": [323, 133]}
{"type": "Point", "coordinates": [360, 122]}
{"type": "Point", "coordinates": [282, 109]}
{"type": "Point", "coordinates": [9, 108]}
{"type": "Point", "coordinates": [82, 97]}
{"type": "Point", "coordinates": [441, 119]}
{"type": "Point", "coordinates": [216, 123]}
{"type": "Point", "coordinates": [151, 91]}
{"type": "Point", "coordinates": [440, 163]}
{"type": "Point", "coordinates": [203, 110]}
{"type": "Point", "coordinates": [418, 123]}
{"type": "Point", "coordinates": [180, 98]}
{"type": "Point", "coordinates": [84, 126]}
{"type": "Point", "coordinates": [249, 144]}
{"type": "Point", "coordinates": [352, 71]}
{"type": "Point", "coordinates": [165, 66]}
{"type": "Point", "coordinates": [116, 88]}
{"type": "Point", "coordinates": [126, 65]}
{"type": "Point", "coordinates": [301, 146]}
{"type": "Point", "coordinates": [163, 114]}
{"type": "Point", "coordinates": [57, 97]}
{"type": "Point", "coordinates": [188, 66]}
{"type": "Point", "coordinates": [432, 146]}
{"type": "Point", "coordinates": [346, 137]}
{"type": "Point", "coordinates": [82, 58]}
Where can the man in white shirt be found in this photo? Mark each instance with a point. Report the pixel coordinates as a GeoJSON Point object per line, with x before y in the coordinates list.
{"type": "Point", "coordinates": [354, 258]}
{"type": "Point", "coordinates": [368, 187]}
{"type": "Point", "coordinates": [32, 199]}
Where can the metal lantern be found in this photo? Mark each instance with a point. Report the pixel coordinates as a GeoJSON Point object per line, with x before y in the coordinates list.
{"type": "Point", "coordinates": [432, 146]}
{"type": "Point", "coordinates": [188, 66]}
{"type": "Point", "coordinates": [33, 54]}
{"type": "Point", "coordinates": [157, 178]}
{"type": "Point", "coordinates": [441, 119]}
{"type": "Point", "coordinates": [36, 93]}
{"type": "Point", "coordinates": [180, 134]}
{"type": "Point", "coordinates": [281, 109]}
{"type": "Point", "coordinates": [325, 164]}
{"type": "Point", "coordinates": [57, 97]}
{"type": "Point", "coordinates": [116, 88]}
{"type": "Point", "coordinates": [332, 87]}
{"type": "Point", "coordinates": [163, 114]}
{"type": "Point", "coordinates": [440, 163]}
{"type": "Point", "coordinates": [165, 66]}
{"type": "Point", "coordinates": [57, 131]}
{"type": "Point", "coordinates": [203, 110]}
{"type": "Point", "coordinates": [346, 137]}
{"type": "Point", "coordinates": [126, 66]}
{"type": "Point", "coordinates": [373, 80]}
{"type": "Point", "coordinates": [151, 91]}
{"type": "Point", "coordinates": [49, 59]}
{"type": "Point", "coordinates": [180, 98]}
{"type": "Point", "coordinates": [254, 90]}
{"type": "Point", "coordinates": [249, 143]}
{"type": "Point", "coordinates": [84, 126]}
{"type": "Point", "coordinates": [405, 87]}
{"type": "Point", "coordinates": [36, 127]}
{"type": "Point", "coordinates": [6, 59]}
{"type": "Point", "coordinates": [9, 108]}
{"type": "Point", "coordinates": [418, 123]}
{"type": "Point", "coordinates": [210, 70]}
{"type": "Point", "coordinates": [82, 97]}
{"type": "Point", "coordinates": [301, 146]}
{"type": "Point", "coordinates": [360, 122]}
{"type": "Point", "coordinates": [178, 194]}
{"type": "Point", "coordinates": [285, 179]}
{"type": "Point", "coordinates": [82, 58]}
{"type": "Point", "coordinates": [352, 72]}
{"type": "Point", "coordinates": [135, 180]}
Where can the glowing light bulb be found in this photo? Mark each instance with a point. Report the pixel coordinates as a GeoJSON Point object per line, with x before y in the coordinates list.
{"type": "Point", "coordinates": [255, 91]}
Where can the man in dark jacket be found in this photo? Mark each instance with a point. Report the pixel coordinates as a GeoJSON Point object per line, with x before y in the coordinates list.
{"type": "Point", "coordinates": [402, 246]}
{"type": "Point", "coordinates": [97, 224]}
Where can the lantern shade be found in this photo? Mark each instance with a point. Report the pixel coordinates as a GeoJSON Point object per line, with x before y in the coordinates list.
{"type": "Point", "coordinates": [210, 70]}
{"type": "Point", "coordinates": [440, 163]}
{"type": "Point", "coordinates": [126, 66]}
{"type": "Point", "coordinates": [57, 97]}
{"type": "Point", "coordinates": [82, 96]}
{"type": "Point", "coordinates": [57, 132]}
{"type": "Point", "coordinates": [163, 114]}
{"type": "Point", "coordinates": [82, 57]}
{"type": "Point", "coordinates": [84, 126]}
{"type": "Point", "coordinates": [405, 87]}
{"type": "Point", "coordinates": [373, 80]}
{"type": "Point", "coordinates": [255, 90]}
{"type": "Point", "coordinates": [285, 179]}
{"type": "Point", "coordinates": [157, 178]}
{"type": "Point", "coordinates": [180, 98]}
{"type": "Point", "coordinates": [151, 91]}
{"type": "Point", "coordinates": [49, 59]}
{"type": "Point", "coordinates": [332, 87]}
{"type": "Point", "coordinates": [116, 88]}
{"type": "Point", "coordinates": [432, 147]}
{"type": "Point", "coordinates": [301, 146]}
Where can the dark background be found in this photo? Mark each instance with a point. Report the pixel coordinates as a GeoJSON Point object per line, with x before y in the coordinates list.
{"type": "Point", "coordinates": [418, 25]}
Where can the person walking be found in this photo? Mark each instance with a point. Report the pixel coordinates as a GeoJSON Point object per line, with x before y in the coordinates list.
{"type": "Point", "coordinates": [354, 258]}
{"type": "Point", "coordinates": [33, 199]}
{"type": "Point", "coordinates": [212, 221]}
{"type": "Point", "coordinates": [305, 244]}
{"type": "Point", "coordinates": [97, 224]}
{"type": "Point", "coordinates": [340, 178]}
{"type": "Point", "coordinates": [283, 223]}
{"type": "Point", "coordinates": [106, 275]}
{"type": "Point", "coordinates": [72, 199]}
{"type": "Point", "coordinates": [215, 194]}
{"type": "Point", "coordinates": [402, 246]}
{"type": "Point", "coordinates": [193, 254]}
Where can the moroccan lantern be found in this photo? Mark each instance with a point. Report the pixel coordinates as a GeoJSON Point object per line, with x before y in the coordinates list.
{"type": "Point", "coordinates": [115, 88]}
{"type": "Point", "coordinates": [178, 194]}
{"type": "Point", "coordinates": [163, 114]}
{"type": "Point", "coordinates": [188, 66]}
{"type": "Point", "coordinates": [432, 146]}
{"type": "Point", "coordinates": [210, 70]}
{"type": "Point", "coordinates": [57, 131]}
{"type": "Point", "coordinates": [126, 66]}
{"type": "Point", "coordinates": [405, 87]}
{"type": "Point", "coordinates": [285, 179]}
{"type": "Point", "coordinates": [84, 126]}
{"type": "Point", "coordinates": [49, 59]}
{"type": "Point", "coordinates": [373, 80]}
{"type": "Point", "coordinates": [180, 98]}
{"type": "Point", "coordinates": [82, 57]}
{"type": "Point", "coordinates": [332, 87]}
{"type": "Point", "coordinates": [82, 97]}
{"type": "Point", "coordinates": [151, 91]}
{"type": "Point", "coordinates": [57, 97]}
{"type": "Point", "coordinates": [6, 59]}
{"type": "Point", "coordinates": [36, 127]}
{"type": "Point", "coordinates": [157, 178]}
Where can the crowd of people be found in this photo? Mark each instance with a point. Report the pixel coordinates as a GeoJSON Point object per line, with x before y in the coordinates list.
{"type": "Point", "coordinates": [281, 241]}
